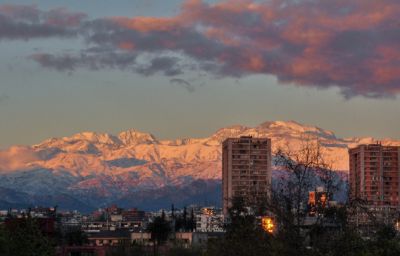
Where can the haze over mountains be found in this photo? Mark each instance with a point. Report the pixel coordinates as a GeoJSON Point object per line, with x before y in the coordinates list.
{"type": "Point", "coordinates": [90, 170]}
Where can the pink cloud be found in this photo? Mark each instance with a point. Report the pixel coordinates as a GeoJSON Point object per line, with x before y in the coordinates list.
{"type": "Point", "coordinates": [352, 45]}
{"type": "Point", "coordinates": [17, 158]}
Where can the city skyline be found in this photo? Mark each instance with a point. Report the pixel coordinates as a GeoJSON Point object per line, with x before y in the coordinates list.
{"type": "Point", "coordinates": [200, 127]}
{"type": "Point", "coordinates": [56, 81]}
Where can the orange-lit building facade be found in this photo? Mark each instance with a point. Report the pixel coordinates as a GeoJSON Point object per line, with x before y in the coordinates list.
{"type": "Point", "coordinates": [317, 201]}
{"type": "Point", "coordinates": [375, 174]}
{"type": "Point", "coordinates": [246, 169]}
{"type": "Point", "coordinates": [268, 224]}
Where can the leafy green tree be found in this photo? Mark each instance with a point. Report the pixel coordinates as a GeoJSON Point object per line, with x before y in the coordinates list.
{"type": "Point", "coordinates": [76, 237]}
{"type": "Point", "coordinates": [3, 241]}
{"type": "Point", "coordinates": [179, 224]}
{"type": "Point", "coordinates": [160, 229]}
{"type": "Point", "coordinates": [244, 236]}
{"type": "Point", "coordinates": [386, 242]}
{"type": "Point", "coordinates": [24, 238]}
{"type": "Point", "coordinates": [192, 221]}
{"type": "Point", "coordinates": [184, 217]}
{"type": "Point", "coordinates": [182, 223]}
{"type": "Point", "coordinates": [350, 243]}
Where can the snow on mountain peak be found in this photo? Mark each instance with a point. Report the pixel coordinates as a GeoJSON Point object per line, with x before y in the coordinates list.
{"type": "Point", "coordinates": [94, 137]}
{"type": "Point", "coordinates": [133, 137]}
{"type": "Point", "coordinates": [289, 125]}
{"type": "Point", "coordinates": [230, 131]}
{"type": "Point", "coordinates": [90, 163]}
{"type": "Point", "coordinates": [296, 127]}
{"type": "Point", "coordinates": [91, 152]}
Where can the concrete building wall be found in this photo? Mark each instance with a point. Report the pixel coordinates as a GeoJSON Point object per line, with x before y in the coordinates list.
{"type": "Point", "coordinates": [246, 169]}
{"type": "Point", "coordinates": [209, 223]}
{"type": "Point", "coordinates": [375, 174]}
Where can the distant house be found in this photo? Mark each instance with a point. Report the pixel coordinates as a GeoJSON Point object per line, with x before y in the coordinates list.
{"type": "Point", "coordinates": [109, 237]}
{"type": "Point", "coordinates": [114, 218]}
{"type": "Point", "coordinates": [143, 238]}
{"type": "Point", "coordinates": [184, 239]}
{"type": "Point", "coordinates": [133, 215]}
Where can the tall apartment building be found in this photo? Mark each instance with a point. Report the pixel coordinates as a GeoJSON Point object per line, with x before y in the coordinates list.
{"type": "Point", "coordinates": [375, 175]}
{"type": "Point", "coordinates": [246, 169]}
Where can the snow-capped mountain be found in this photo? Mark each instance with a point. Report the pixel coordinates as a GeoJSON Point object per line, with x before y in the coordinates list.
{"type": "Point", "coordinates": [91, 169]}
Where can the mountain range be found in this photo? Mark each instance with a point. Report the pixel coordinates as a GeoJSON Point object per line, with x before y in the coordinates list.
{"type": "Point", "coordinates": [134, 169]}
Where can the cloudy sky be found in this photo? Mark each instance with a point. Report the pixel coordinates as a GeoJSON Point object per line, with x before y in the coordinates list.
{"type": "Point", "coordinates": [184, 68]}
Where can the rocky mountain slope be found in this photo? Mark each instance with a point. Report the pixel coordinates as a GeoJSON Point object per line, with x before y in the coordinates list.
{"type": "Point", "coordinates": [91, 169]}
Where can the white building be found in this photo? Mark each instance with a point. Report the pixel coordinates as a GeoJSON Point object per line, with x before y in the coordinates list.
{"type": "Point", "coordinates": [209, 220]}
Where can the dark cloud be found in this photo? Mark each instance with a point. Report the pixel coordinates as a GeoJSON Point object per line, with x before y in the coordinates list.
{"type": "Point", "coordinates": [63, 17]}
{"type": "Point", "coordinates": [26, 13]}
{"type": "Point", "coordinates": [169, 66]}
{"type": "Point", "coordinates": [98, 58]}
{"type": "Point", "coordinates": [27, 22]}
{"type": "Point", "coordinates": [353, 45]}
{"type": "Point", "coordinates": [60, 63]}
{"type": "Point", "coordinates": [92, 61]}
{"type": "Point", "coordinates": [183, 83]}
{"type": "Point", "coordinates": [26, 31]}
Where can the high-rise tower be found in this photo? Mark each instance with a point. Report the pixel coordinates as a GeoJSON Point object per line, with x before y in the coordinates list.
{"type": "Point", "coordinates": [375, 175]}
{"type": "Point", "coordinates": [246, 169]}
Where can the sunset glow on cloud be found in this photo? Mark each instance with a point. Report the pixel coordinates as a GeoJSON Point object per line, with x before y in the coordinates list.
{"type": "Point", "coordinates": [312, 43]}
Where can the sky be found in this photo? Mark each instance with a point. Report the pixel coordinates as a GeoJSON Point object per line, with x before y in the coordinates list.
{"type": "Point", "coordinates": [185, 68]}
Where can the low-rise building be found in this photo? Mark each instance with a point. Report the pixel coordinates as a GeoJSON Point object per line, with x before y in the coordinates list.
{"type": "Point", "coordinates": [209, 220]}
{"type": "Point", "coordinates": [109, 237]}
{"type": "Point", "coordinates": [142, 238]}
{"type": "Point", "coordinates": [184, 239]}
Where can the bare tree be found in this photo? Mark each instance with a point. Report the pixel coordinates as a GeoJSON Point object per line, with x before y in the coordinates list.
{"type": "Point", "coordinates": [301, 170]}
{"type": "Point", "coordinates": [296, 182]}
